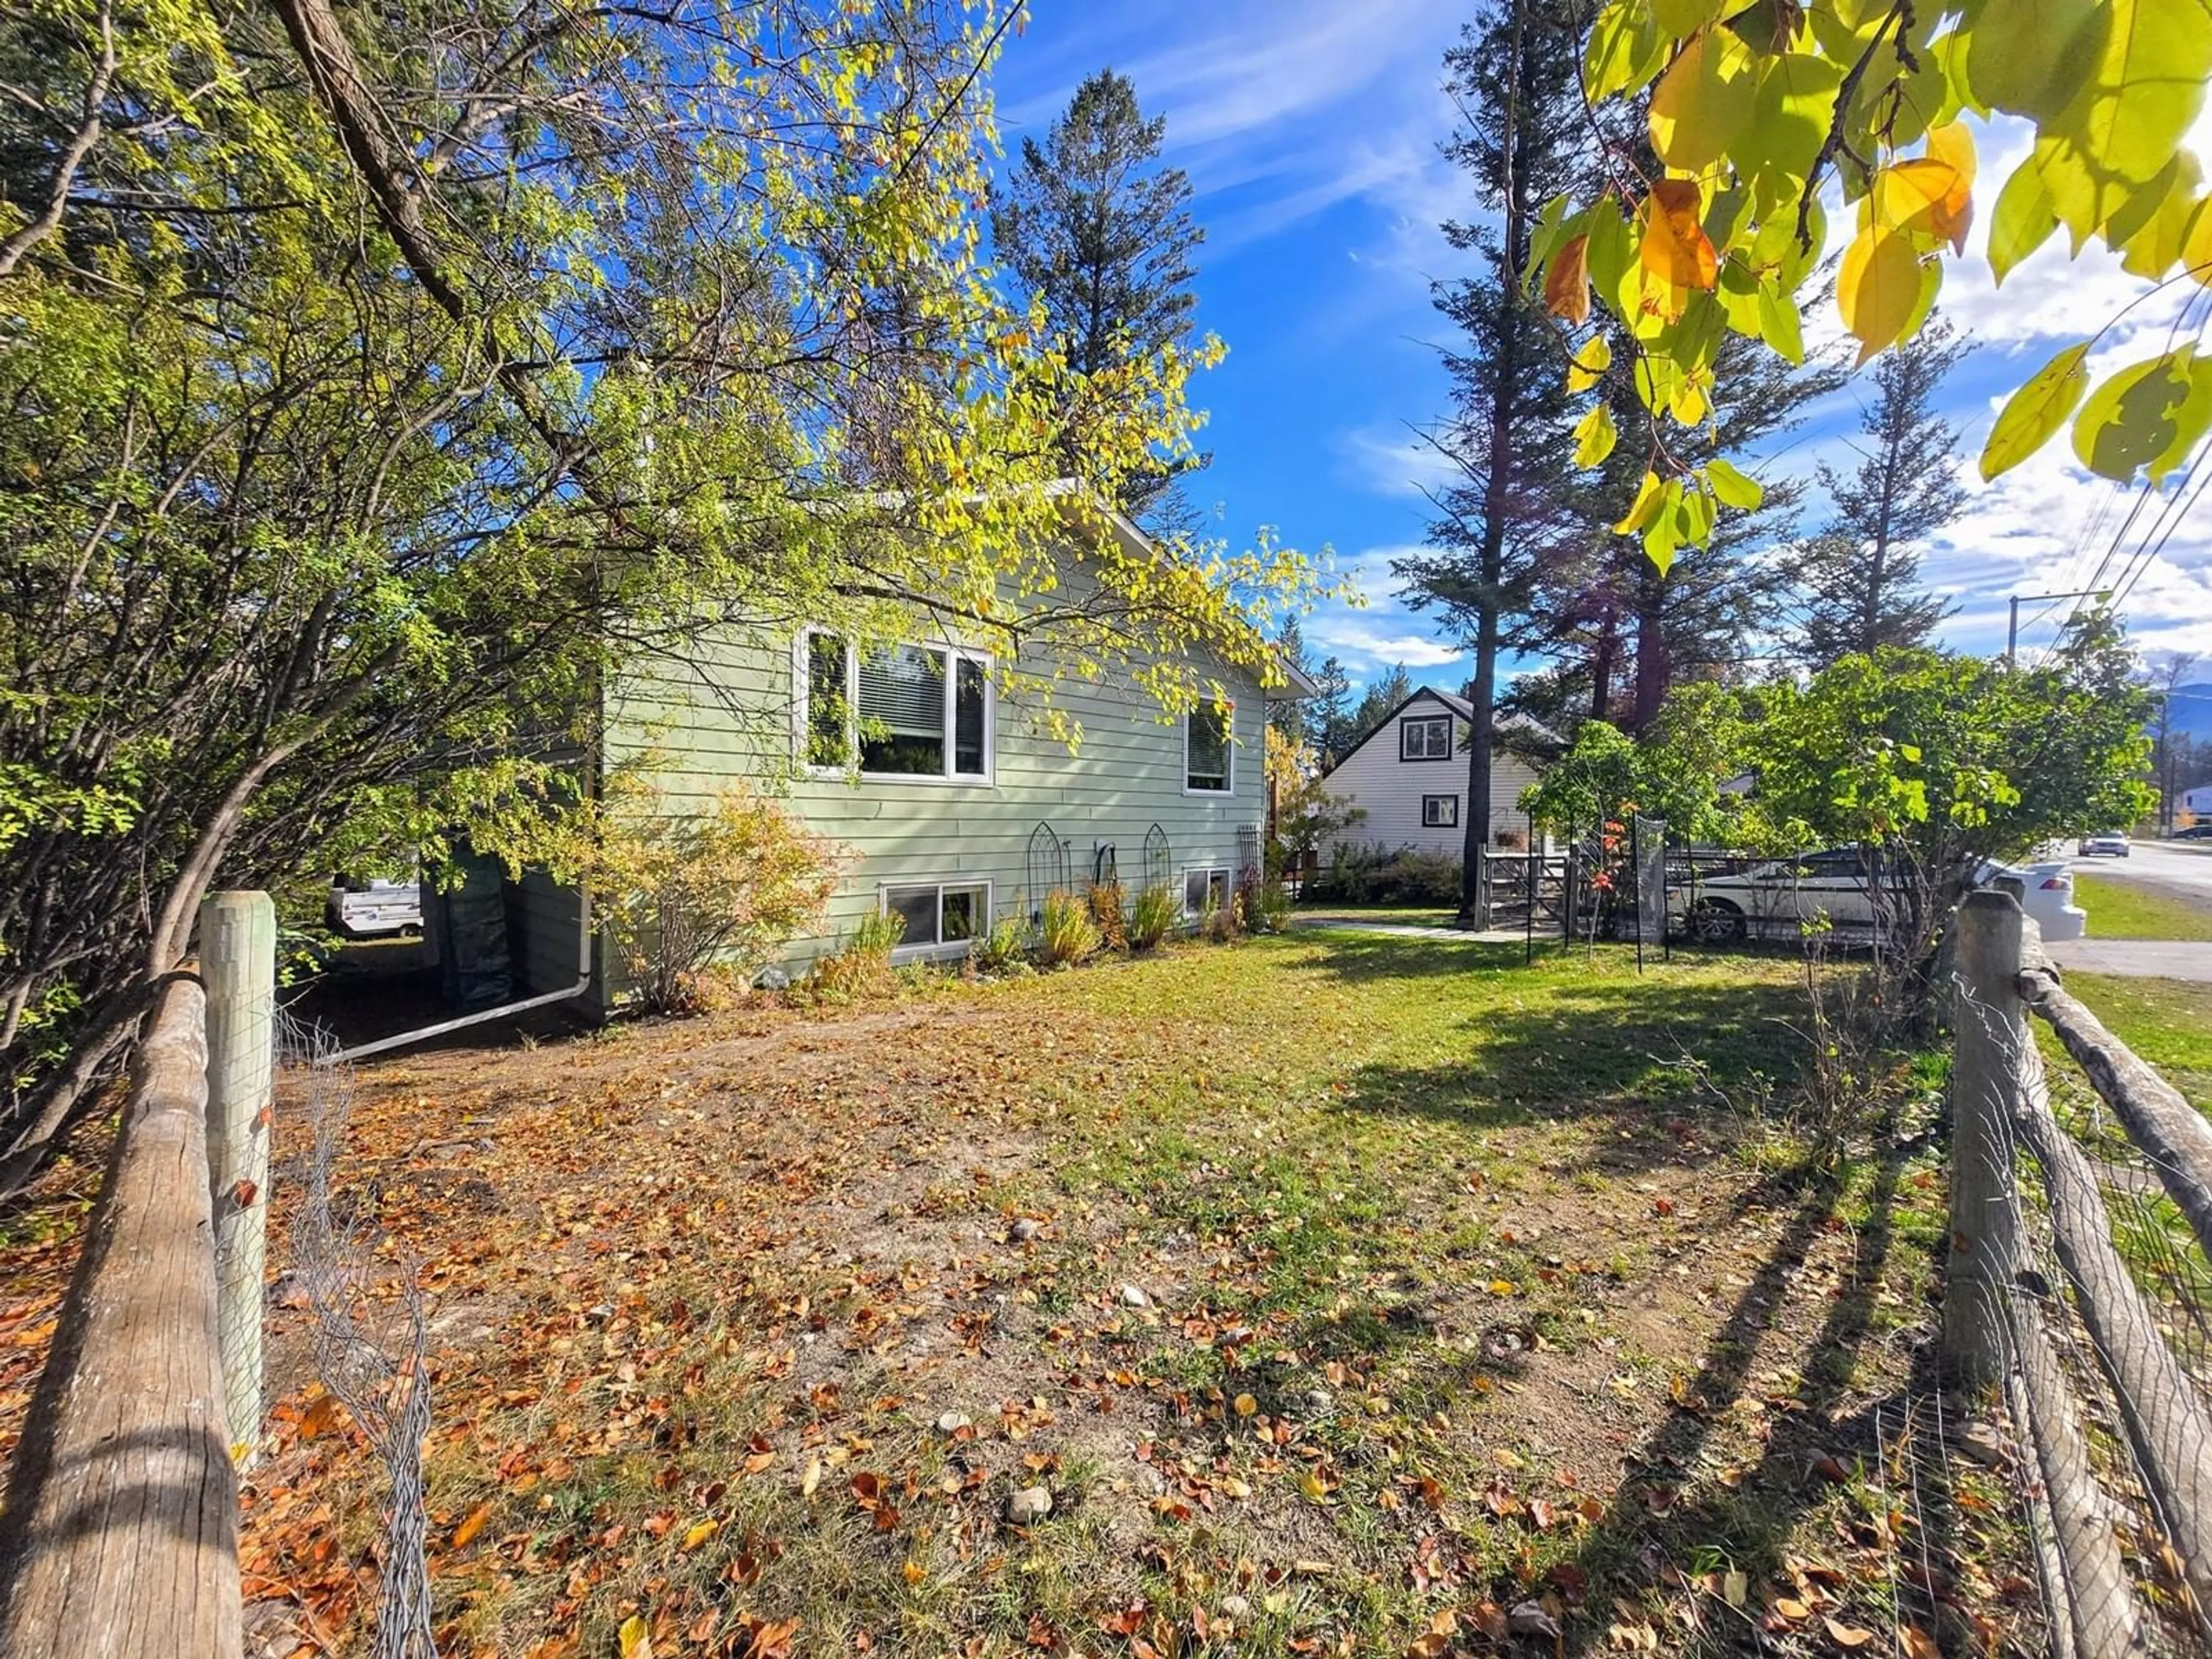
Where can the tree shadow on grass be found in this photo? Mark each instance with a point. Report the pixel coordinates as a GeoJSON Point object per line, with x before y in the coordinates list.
{"type": "Point", "coordinates": [1809, 1447]}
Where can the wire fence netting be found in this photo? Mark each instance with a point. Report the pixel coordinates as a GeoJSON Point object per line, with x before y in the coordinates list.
{"type": "Point", "coordinates": [369, 1350]}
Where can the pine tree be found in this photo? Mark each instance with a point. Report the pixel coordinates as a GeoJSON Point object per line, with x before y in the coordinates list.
{"type": "Point", "coordinates": [1514, 76]}
{"type": "Point", "coordinates": [1620, 632]}
{"type": "Point", "coordinates": [1857, 582]}
{"type": "Point", "coordinates": [1093, 226]}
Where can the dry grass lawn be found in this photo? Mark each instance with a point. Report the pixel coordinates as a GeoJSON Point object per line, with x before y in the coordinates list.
{"type": "Point", "coordinates": [1348, 1294]}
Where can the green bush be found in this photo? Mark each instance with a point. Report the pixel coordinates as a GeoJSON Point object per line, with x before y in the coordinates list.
{"type": "Point", "coordinates": [1068, 934]}
{"type": "Point", "coordinates": [1005, 948]}
{"type": "Point", "coordinates": [1374, 875]}
{"type": "Point", "coordinates": [1271, 913]}
{"type": "Point", "coordinates": [1152, 919]}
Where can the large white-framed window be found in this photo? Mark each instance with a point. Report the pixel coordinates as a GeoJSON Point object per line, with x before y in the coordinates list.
{"type": "Point", "coordinates": [919, 713]}
{"type": "Point", "coordinates": [940, 917]}
{"type": "Point", "coordinates": [1424, 738]}
{"type": "Point", "coordinates": [1209, 750]}
{"type": "Point", "coordinates": [1440, 812]}
{"type": "Point", "coordinates": [1202, 883]}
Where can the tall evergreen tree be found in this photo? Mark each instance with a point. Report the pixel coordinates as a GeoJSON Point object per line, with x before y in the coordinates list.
{"type": "Point", "coordinates": [1092, 224]}
{"type": "Point", "coordinates": [1857, 582]}
{"type": "Point", "coordinates": [1515, 76]}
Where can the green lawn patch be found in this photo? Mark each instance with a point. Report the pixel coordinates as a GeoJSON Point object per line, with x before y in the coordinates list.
{"type": "Point", "coordinates": [2119, 909]}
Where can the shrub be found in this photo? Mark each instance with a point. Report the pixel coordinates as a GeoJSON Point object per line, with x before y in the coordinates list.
{"type": "Point", "coordinates": [680, 893]}
{"type": "Point", "coordinates": [1153, 917]}
{"type": "Point", "coordinates": [1068, 934]}
{"type": "Point", "coordinates": [1107, 914]}
{"type": "Point", "coordinates": [1224, 923]}
{"type": "Point", "coordinates": [861, 966]}
{"type": "Point", "coordinates": [1373, 875]}
{"type": "Point", "coordinates": [1271, 912]}
{"type": "Point", "coordinates": [1005, 947]}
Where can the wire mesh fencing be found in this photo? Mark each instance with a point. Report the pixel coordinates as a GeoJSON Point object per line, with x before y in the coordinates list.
{"type": "Point", "coordinates": [372, 1357]}
{"type": "Point", "coordinates": [2081, 1207]}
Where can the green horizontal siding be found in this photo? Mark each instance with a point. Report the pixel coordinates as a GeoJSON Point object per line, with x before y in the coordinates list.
{"type": "Point", "coordinates": [1124, 774]}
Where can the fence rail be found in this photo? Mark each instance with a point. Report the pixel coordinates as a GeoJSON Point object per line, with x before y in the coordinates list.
{"type": "Point", "coordinates": [2120, 1440]}
{"type": "Point", "coordinates": [121, 1536]}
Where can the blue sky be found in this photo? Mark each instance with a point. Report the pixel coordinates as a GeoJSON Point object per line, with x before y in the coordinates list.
{"type": "Point", "coordinates": [1309, 129]}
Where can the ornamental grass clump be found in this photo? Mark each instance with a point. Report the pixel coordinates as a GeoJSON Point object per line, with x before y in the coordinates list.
{"type": "Point", "coordinates": [1066, 933]}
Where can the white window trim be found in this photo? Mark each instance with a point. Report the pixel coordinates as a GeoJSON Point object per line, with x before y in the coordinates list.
{"type": "Point", "coordinates": [1451, 735]}
{"type": "Point", "coordinates": [942, 948]}
{"type": "Point", "coordinates": [1431, 795]}
{"type": "Point", "coordinates": [1228, 880]}
{"type": "Point", "coordinates": [1210, 794]}
{"type": "Point", "coordinates": [801, 729]}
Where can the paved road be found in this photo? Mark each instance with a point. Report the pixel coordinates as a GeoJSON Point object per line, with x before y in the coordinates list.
{"type": "Point", "coordinates": [2180, 869]}
{"type": "Point", "coordinates": [2139, 959]}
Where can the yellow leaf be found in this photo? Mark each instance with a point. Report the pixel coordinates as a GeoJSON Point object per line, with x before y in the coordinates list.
{"type": "Point", "coordinates": [700, 1532]}
{"type": "Point", "coordinates": [636, 1640]}
{"type": "Point", "coordinates": [465, 1533]}
{"type": "Point", "coordinates": [1246, 1404]}
{"type": "Point", "coordinates": [1566, 281]}
{"type": "Point", "coordinates": [1640, 511]}
{"type": "Point", "coordinates": [913, 1571]}
{"type": "Point", "coordinates": [1672, 243]}
{"type": "Point", "coordinates": [1919, 195]}
{"type": "Point", "coordinates": [1590, 364]}
{"type": "Point", "coordinates": [1503, 1287]}
{"type": "Point", "coordinates": [1878, 289]}
{"type": "Point", "coordinates": [812, 1478]}
{"type": "Point", "coordinates": [1704, 101]}
{"type": "Point", "coordinates": [1847, 1635]}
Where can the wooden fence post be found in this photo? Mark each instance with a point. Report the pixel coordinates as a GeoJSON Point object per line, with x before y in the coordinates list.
{"type": "Point", "coordinates": [238, 961]}
{"type": "Point", "coordinates": [120, 1538]}
{"type": "Point", "coordinates": [1985, 1081]}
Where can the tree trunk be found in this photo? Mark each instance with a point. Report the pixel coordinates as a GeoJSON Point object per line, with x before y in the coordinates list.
{"type": "Point", "coordinates": [120, 1536]}
{"type": "Point", "coordinates": [1505, 394]}
{"type": "Point", "coordinates": [1654, 673]}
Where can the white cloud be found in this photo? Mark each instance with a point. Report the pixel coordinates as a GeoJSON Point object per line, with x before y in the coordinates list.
{"type": "Point", "coordinates": [1365, 646]}
{"type": "Point", "coordinates": [1396, 462]}
{"type": "Point", "coordinates": [2049, 526]}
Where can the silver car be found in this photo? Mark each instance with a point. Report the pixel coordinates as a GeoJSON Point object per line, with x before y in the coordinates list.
{"type": "Point", "coordinates": [2107, 843]}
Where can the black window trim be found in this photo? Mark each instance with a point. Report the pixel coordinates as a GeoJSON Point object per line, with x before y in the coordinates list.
{"type": "Point", "coordinates": [1427, 822]}
{"type": "Point", "coordinates": [1407, 722]}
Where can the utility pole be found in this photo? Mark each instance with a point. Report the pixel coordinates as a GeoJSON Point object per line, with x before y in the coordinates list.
{"type": "Point", "coordinates": [2011, 627]}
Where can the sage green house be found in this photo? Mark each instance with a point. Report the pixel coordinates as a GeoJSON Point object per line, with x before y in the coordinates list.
{"type": "Point", "coordinates": [954, 801]}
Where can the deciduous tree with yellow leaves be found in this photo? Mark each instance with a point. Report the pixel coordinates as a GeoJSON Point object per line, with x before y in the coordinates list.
{"type": "Point", "coordinates": [1766, 118]}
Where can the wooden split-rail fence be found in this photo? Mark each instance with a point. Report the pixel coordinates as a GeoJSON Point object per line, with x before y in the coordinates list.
{"type": "Point", "coordinates": [2110, 1411]}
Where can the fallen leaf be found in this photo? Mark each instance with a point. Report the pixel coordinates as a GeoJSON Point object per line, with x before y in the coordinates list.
{"type": "Point", "coordinates": [465, 1534]}
{"type": "Point", "coordinates": [700, 1532]}
{"type": "Point", "coordinates": [636, 1640]}
{"type": "Point", "coordinates": [1847, 1635]}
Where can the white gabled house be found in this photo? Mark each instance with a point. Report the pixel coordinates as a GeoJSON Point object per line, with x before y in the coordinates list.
{"type": "Point", "coordinates": [1408, 776]}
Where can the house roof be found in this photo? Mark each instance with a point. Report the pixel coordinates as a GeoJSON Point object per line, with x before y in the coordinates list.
{"type": "Point", "coordinates": [1459, 706]}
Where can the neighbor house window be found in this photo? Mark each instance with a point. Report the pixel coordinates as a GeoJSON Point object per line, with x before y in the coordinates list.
{"type": "Point", "coordinates": [1200, 885]}
{"type": "Point", "coordinates": [1440, 812]}
{"type": "Point", "coordinates": [905, 711]}
{"type": "Point", "coordinates": [937, 914]}
{"type": "Point", "coordinates": [1424, 738]}
{"type": "Point", "coordinates": [1209, 758]}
